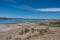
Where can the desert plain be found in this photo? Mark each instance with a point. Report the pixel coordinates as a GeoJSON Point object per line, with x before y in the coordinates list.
{"type": "Point", "coordinates": [46, 30]}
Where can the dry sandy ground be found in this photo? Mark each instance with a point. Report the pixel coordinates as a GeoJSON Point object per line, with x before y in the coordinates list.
{"type": "Point", "coordinates": [12, 30]}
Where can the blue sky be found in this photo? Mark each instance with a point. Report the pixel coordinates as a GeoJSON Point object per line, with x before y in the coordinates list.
{"type": "Point", "coordinates": [43, 9]}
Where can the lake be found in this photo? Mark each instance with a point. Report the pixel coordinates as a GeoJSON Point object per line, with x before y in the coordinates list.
{"type": "Point", "coordinates": [16, 21]}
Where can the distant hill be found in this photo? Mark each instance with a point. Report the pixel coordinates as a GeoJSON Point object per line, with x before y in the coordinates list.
{"type": "Point", "coordinates": [5, 18]}
{"type": "Point", "coordinates": [2, 18]}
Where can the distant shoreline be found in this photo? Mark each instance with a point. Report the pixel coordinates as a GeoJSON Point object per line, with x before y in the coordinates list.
{"type": "Point", "coordinates": [2, 18]}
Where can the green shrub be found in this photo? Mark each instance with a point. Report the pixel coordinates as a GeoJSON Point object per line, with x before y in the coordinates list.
{"type": "Point", "coordinates": [21, 33]}
{"type": "Point", "coordinates": [42, 24]}
{"type": "Point", "coordinates": [33, 30]}
{"type": "Point", "coordinates": [26, 30]}
{"type": "Point", "coordinates": [35, 35]}
{"type": "Point", "coordinates": [28, 37]}
{"type": "Point", "coordinates": [54, 24]}
{"type": "Point", "coordinates": [17, 38]}
{"type": "Point", "coordinates": [42, 31]}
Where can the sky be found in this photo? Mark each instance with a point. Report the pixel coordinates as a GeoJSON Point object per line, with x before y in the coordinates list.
{"type": "Point", "coordinates": [40, 9]}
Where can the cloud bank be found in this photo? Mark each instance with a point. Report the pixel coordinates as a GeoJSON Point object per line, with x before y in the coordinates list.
{"type": "Point", "coordinates": [26, 7]}
{"type": "Point", "coordinates": [49, 10]}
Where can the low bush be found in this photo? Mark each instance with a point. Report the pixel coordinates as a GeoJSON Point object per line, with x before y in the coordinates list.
{"type": "Point", "coordinates": [33, 30]}
{"type": "Point", "coordinates": [42, 31]}
{"type": "Point", "coordinates": [42, 24]}
{"type": "Point", "coordinates": [17, 38]}
{"type": "Point", "coordinates": [28, 37]}
{"type": "Point", "coordinates": [54, 24]}
{"type": "Point", "coordinates": [24, 31]}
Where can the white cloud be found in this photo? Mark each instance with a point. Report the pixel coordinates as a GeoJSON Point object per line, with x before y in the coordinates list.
{"type": "Point", "coordinates": [49, 9]}
{"type": "Point", "coordinates": [25, 7]}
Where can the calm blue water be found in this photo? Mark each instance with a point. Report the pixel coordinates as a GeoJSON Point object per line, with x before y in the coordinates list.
{"type": "Point", "coordinates": [16, 21]}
